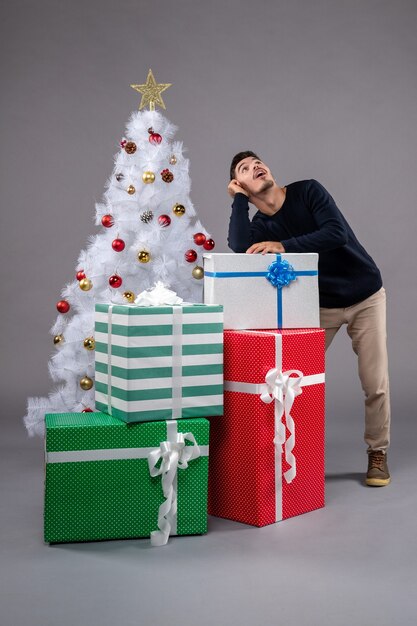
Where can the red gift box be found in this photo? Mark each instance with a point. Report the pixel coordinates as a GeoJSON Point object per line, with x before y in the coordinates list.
{"type": "Point", "coordinates": [267, 452]}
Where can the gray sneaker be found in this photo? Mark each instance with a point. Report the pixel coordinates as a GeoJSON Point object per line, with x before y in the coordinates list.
{"type": "Point", "coordinates": [378, 474]}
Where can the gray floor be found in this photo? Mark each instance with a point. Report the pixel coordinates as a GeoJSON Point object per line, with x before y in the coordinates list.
{"type": "Point", "coordinates": [353, 562]}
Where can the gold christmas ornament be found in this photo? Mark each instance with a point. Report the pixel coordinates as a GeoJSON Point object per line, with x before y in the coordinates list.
{"type": "Point", "coordinates": [151, 92]}
{"type": "Point", "coordinates": [89, 343]}
{"type": "Point", "coordinates": [129, 296]}
{"type": "Point", "coordinates": [148, 177]}
{"type": "Point", "coordinates": [173, 159]}
{"type": "Point", "coordinates": [198, 272]}
{"type": "Point", "coordinates": [144, 256]}
{"type": "Point", "coordinates": [130, 147]}
{"type": "Point", "coordinates": [58, 339]}
{"type": "Point", "coordinates": [85, 284]}
{"type": "Point", "coordinates": [178, 209]}
{"type": "Point", "coordinates": [131, 190]}
{"type": "Point", "coordinates": [86, 383]}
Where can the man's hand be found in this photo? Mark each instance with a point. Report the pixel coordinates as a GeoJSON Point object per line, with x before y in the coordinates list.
{"type": "Point", "coordinates": [234, 187]}
{"type": "Point", "coordinates": [266, 246]}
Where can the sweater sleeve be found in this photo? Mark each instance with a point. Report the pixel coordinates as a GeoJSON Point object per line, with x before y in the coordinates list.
{"type": "Point", "coordinates": [242, 232]}
{"type": "Point", "coordinates": [331, 232]}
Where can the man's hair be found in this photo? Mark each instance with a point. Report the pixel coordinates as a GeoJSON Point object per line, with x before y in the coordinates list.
{"type": "Point", "coordinates": [238, 158]}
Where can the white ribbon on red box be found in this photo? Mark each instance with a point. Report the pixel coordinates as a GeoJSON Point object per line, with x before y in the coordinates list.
{"type": "Point", "coordinates": [282, 388]}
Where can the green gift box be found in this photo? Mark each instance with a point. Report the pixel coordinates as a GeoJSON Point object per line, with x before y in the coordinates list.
{"type": "Point", "coordinates": [105, 479]}
{"type": "Point", "coordinates": [159, 362]}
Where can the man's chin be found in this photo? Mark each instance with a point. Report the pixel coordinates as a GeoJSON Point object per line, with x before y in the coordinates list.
{"type": "Point", "coordinates": [266, 184]}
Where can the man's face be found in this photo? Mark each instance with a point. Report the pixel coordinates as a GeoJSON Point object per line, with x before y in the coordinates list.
{"type": "Point", "coordinates": [254, 176]}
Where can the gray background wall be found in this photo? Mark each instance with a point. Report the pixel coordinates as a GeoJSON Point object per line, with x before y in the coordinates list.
{"type": "Point", "coordinates": [320, 88]}
{"type": "Point", "coordinates": [324, 89]}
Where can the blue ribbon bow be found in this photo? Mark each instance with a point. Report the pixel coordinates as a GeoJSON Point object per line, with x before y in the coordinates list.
{"type": "Point", "coordinates": [280, 273]}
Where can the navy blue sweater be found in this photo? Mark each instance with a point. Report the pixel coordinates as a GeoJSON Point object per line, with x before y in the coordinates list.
{"type": "Point", "coordinates": [309, 221]}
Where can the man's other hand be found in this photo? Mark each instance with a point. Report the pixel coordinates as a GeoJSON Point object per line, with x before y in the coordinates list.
{"type": "Point", "coordinates": [234, 187]}
{"type": "Point", "coordinates": [266, 246]}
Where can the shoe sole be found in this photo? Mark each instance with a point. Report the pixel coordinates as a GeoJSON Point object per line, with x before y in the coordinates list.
{"type": "Point", "coordinates": [378, 482]}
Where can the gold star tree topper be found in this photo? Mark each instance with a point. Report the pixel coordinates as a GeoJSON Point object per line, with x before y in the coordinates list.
{"type": "Point", "coordinates": [151, 92]}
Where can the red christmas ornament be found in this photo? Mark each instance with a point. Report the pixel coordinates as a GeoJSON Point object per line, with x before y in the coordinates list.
{"type": "Point", "coordinates": [164, 221]}
{"type": "Point", "coordinates": [118, 245]}
{"type": "Point", "coordinates": [80, 275]}
{"type": "Point", "coordinates": [87, 410]}
{"type": "Point", "coordinates": [199, 239]}
{"type": "Point", "coordinates": [190, 256]}
{"type": "Point", "coordinates": [115, 281]}
{"type": "Point", "coordinates": [107, 221]}
{"type": "Point", "coordinates": [209, 244]}
{"type": "Point", "coordinates": [63, 306]}
{"type": "Point", "coordinates": [154, 138]}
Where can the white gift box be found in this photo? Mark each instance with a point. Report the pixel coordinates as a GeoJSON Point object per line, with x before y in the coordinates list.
{"type": "Point", "coordinates": [264, 290]}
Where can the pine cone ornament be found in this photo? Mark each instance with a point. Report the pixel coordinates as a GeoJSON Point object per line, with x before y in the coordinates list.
{"type": "Point", "coordinates": [167, 176]}
{"type": "Point", "coordinates": [130, 147]}
{"type": "Point", "coordinates": [146, 217]}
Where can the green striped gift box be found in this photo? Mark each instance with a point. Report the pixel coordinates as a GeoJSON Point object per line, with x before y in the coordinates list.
{"type": "Point", "coordinates": [159, 362]}
{"type": "Point", "coordinates": [98, 484]}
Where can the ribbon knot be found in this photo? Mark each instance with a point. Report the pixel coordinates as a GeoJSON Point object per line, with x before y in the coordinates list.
{"type": "Point", "coordinates": [280, 273]}
{"type": "Point", "coordinates": [280, 385]}
{"type": "Point", "coordinates": [173, 455]}
{"type": "Point", "coordinates": [283, 388]}
{"type": "Point", "coordinates": [158, 295]}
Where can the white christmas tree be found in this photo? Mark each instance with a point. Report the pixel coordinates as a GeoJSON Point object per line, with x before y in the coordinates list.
{"type": "Point", "coordinates": [148, 233]}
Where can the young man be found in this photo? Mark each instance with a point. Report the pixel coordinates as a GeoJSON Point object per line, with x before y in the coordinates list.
{"type": "Point", "coordinates": [303, 217]}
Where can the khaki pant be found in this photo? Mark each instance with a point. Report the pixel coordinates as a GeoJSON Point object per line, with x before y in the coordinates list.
{"type": "Point", "coordinates": [366, 326]}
